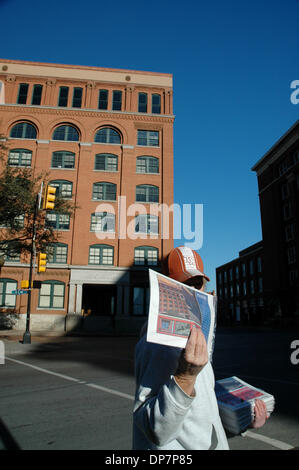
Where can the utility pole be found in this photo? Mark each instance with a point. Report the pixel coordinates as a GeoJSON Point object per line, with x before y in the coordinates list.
{"type": "Point", "coordinates": [27, 334]}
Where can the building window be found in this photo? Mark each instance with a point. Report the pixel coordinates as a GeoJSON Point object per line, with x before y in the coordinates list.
{"type": "Point", "coordinates": [283, 167]}
{"type": "Point", "coordinates": [116, 100]}
{"type": "Point", "coordinates": [260, 284]}
{"type": "Point", "coordinates": [296, 157]}
{"type": "Point", "coordinates": [51, 294]}
{"type": "Point", "coordinates": [237, 272]}
{"type": "Point", "coordinates": [57, 221]}
{"type": "Point", "coordinates": [290, 232]}
{"type": "Point", "coordinates": [147, 224]}
{"type": "Point", "coordinates": [220, 278]}
{"type": "Point", "coordinates": [64, 188]}
{"type": "Point", "coordinates": [238, 288]}
{"type": "Point", "coordinates": [20, 157]}
{"type": "Point", "coordinates": [225, 276]}
{"type": "Point", "coordinates": [244, 288]}
{"type": "Point", "coordinates": [146, 256]}
{"type": "Point", "coordinates": [104, 191]}
{"type": "Point", "coordinates": [57, 253]}
{"type": "Point", "coordinates": [291, 253]}
{"type": "Point", "coordinates": [102, 222]}
{"type": "Point", "coordinates": [7, 298]}
{"type": "Point", "coordinates": [156, 104]}
{"type": "Point", "coordinates": [63, 96]}
{"type": "Point", "coordinates": [107, 135]}
{"type": "Point", "coordinates": [23, 92]}
{"type": "Point", "coordinates": [77, 97]}
{"type": "Point", "coordinates": [146, 164]}
{"type": "Point", "coordinates": [8, 252]}
{"type": "Point", "coordinates": [243, 269]}
{"type": "Point", "coordinates": [293, 276]}
{"type": "Point", "coordinates": [259, 264]}
{"type": "Point", "coordinates": [106, 162]}
{"type": "Point", "coordinates": [63, 159]}
{"type": "Point", "coordinates": [147, 193]}
{"type": "Point", "coordinates": [252, 286]}
{"type": "Point", "coordinates": [251, 267]}
{"type": "Point", "coordinates": [148, 138]}
{"type": "Point", "coordinates": [103, 99]}
{"type": "Point", "coordinates": [142, 102]}
{"type": "Point", "coordinates": [287, 211]}
{"type": "Point", "coordinates": [23, 130]}
{"type": "Point", "coordinates": [284, 191]}
{"type": "Point", "coordinates": [101, 255]}
{"type": "Point", "coordinates": [140, 300]}
{"type": "Point", "coordinates": [65, 132]}
{"type": "Point", "coordinates": [37, 94]}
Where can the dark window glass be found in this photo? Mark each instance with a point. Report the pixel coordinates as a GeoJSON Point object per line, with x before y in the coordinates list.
{"type": "Point", "coordinates": [63, 95]}
{"type": "Point", "coordinates": [116, 100]}
{"type": "Point", "coordinates": [142, 102]}
{"type": "Point", "coordinates": [103, 99]}
{"type": "Point", "coordinates": [68, 133]}
{"type": "Point", "coordinates": [107, 135]}
{"type": "Point", "coordinates": [37, 94]}
{"type": "Point", "coordinates": [104, 191]}
{"type": "Point", "coordinates": [156, 104]}
{"type": "Point", "coordinates": [23, 91]}
{"type": "Point", "coordinates": [23, 130]}
{"type": "Point", "coordinates": [77, 97]}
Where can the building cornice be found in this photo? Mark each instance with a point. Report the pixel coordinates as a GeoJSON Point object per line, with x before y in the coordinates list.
{"type": "Point", "coordinates": [75, 112]}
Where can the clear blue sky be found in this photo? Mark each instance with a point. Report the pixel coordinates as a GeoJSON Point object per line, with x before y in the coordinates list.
{"type": "Point", "coordinates": [232, 63]}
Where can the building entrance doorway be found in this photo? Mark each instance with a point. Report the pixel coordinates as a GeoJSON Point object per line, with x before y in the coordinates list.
{"type": "Point", "coordinates": [98, 299]}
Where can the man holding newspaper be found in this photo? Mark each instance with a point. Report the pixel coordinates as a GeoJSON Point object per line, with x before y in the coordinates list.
{"type": "Point", "coordinates": [175, 403]}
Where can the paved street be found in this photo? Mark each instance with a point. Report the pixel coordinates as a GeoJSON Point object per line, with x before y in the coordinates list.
{"type": "Point", "coordinates": [77, 392]}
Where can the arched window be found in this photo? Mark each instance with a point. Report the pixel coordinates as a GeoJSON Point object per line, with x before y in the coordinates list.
{"type": "Point", "coordinates": [23, 130]}
{"type": "Point", "coordinates": [101, 254]}
{"type": "Point", "coordinates": [20, 157]}
{"type": "Point", "coordinates": [107, 135]}
{"type": "Point", "coordinates": [105, 162]}
{"type": "Point", "coordinates": [7, 299]}
{"type": "Point", "coordinates": [147, 193]}
{"type": "Point", "coordinates": [146, 164]}
{"type": "Point", "coordinates": [66, 132]}
{"type": "Point", "coordinates": [104, 191]}
{"type": "Point", "coordinates": [51, 295]}
{"type": "Point", "coordinates": [64, 188]}
{"type": "Point", "coordinates": [146, 256]}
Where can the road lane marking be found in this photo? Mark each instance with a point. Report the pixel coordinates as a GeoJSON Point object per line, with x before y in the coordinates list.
{"type": "Point", "coordinates": [273, 442]}
{"type": "Point", "coordinates": [268, 440]}
{"type": "Point", "coordinates": [72, 379]}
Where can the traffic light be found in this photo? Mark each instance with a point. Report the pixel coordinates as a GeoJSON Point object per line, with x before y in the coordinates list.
{"type": "Point", "coordinates": [24, 284]}
{"type": "Point", "coordinates": [41, 262]}
{"type": "Point", "coordinates": [49, 198]}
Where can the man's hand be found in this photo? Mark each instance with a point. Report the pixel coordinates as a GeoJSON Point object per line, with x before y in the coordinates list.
{"type": "Point", "coordinates": [260, 414]}
{"type": "Point", "coordinates": [192, 360]}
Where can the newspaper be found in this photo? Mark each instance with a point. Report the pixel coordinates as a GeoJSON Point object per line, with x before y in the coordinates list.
{"type": "Point", "coordinates": [236, 400]}
{"type": "Point", "coordinates": [174, 308]}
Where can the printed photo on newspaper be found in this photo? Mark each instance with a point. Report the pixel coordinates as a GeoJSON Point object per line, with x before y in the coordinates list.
{"type": "Point", "coordinates": [174, 308]}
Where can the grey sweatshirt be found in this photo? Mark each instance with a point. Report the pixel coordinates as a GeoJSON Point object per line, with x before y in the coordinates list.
{"type": "Point", "coordinates": [165, 417]}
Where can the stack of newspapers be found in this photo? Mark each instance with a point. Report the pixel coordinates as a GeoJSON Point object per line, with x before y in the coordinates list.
{"type": "Point", "coordinates": [236, 400]}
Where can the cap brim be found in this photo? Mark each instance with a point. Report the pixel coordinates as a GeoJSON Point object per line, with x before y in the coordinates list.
{"type": "Point", "coordinates": [184, 276]}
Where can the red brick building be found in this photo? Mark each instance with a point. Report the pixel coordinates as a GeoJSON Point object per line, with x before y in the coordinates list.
{"type": "Point", "coordinates": [106, 138]}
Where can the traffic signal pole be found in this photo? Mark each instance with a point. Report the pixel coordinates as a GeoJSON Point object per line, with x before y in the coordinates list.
{"type": "Point", "coordinates": [27, 334]}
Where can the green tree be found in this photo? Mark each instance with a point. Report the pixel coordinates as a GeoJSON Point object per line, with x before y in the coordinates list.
{"type": "Point", "coordinates": [19, 189]}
